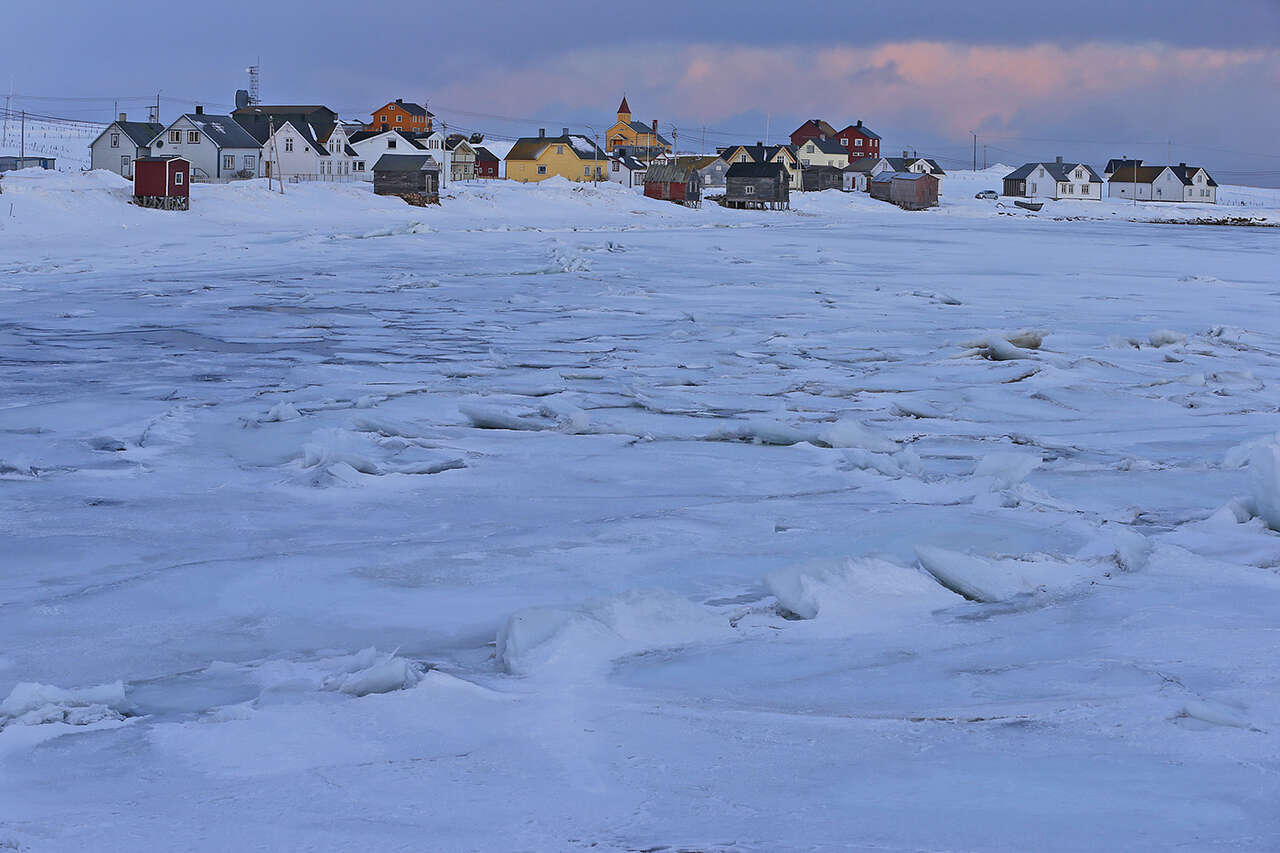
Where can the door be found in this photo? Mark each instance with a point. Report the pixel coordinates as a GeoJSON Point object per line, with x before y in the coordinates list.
{"type": "Point", "coordinates": [126, 166]}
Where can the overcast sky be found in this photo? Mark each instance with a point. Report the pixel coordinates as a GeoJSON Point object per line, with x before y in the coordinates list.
{"type": "Point", "coordinates": [1088, 79]}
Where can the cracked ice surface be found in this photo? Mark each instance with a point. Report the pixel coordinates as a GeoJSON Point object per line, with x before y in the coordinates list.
{"type": "Point", "coordinates": [562, 519]}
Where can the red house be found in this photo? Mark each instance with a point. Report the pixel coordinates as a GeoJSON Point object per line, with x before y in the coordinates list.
{"type": "Point", "coordinates": [674, 183]}
{"type": "Point", "coordinates": [162, 182]}
{"type": "Point", "coordinates": [860, 141]}
{"type": "Point", "coordinates": [486, 163]}
{"type": "Point", "coordinates": [814, 128]}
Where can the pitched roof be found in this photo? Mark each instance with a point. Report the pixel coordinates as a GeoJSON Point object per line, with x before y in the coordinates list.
{"type": "Point", "coordinates": [624, 107]}
{"type": "Point", "coordinates": [755, 170]}
{"type": "Point", "coordinates": [641, 127]}
{"type": "Point", "coordinates": [260, 127]}
{"type": "Point", "coordinates": [827, 146]}
{"type": "Point", "coordinates": [406, 163]}
{"type": "Point", "coordinates": [861, 128]}
{"type": "Point", "coordinates": [759, 153]}
{"type": "Point", "coordinates": [1187, 174]}
{"type": "Point", "coordinates": [862, 164]}
{"type": "Point", "coordinates": [1136, 174]}
{"type": "Point", "coordinates": [140, 132]}
{"type": "Point", "coordinates": [904, 164]}
{"type": "Point", "coordinates": [408, 106]}
{"type": "Point", "coordinates": [696, 162]}
{"type": "Point", "coordinates": [1059, 171]}
{"type": "Point", "coordinates": [531, 147]}
{"type": "Point", "coordinates": [668, 173]}
{"type": "Point", "coordinates": [223, 131]}
{"type": "Point", "coordinates": [485, 154]}
{"type": "Point", "coordinates": [1115, 163]}
{"type": "Point", "coordinates": [821, 126]}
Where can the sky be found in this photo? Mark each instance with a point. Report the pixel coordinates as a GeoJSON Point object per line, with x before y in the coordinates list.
{"type": "Point", "coordinates": [1177, 80]}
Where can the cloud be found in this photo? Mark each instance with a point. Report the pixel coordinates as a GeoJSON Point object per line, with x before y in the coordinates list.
{"type": "Point", "coordinates": [944, 87]}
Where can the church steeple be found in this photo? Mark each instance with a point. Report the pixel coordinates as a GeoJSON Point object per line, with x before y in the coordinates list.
{"type": "Point", "coordinates": [624, 111]}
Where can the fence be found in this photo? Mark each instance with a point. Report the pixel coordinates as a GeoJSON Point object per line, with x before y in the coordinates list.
{"type": "Point", "coordinates": [330, 179]}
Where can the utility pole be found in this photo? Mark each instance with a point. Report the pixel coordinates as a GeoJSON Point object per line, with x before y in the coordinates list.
{"type": "Point", "coordinates": [22, 148]}
{"type": "Point", "coordinates": [975, 149]}
{"type": "Point", "coordinates": [984, 158]}
{"type": "Point", "coordinates": [446, 160]}
{"type": "Point", "coordinates": [702, 151]}
{"type": "Point", "coordinates": [768, 119]}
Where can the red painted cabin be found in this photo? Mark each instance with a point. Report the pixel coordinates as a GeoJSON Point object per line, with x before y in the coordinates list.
{"type": "Point", "coordinates": [162, 182]}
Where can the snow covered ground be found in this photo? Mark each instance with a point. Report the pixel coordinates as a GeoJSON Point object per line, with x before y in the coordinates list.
{"type": "Point", "coordinates": [67, 141]}
{"type": "Point", "coordinates": [556, 518]}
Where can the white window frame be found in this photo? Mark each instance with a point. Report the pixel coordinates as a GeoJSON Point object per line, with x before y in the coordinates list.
{"type": "Point", "coordinates": [175, 137]}
{"type": "Point", "coordinates": [228, 161]}
{"type": "Point", "coordinates": [115, 140]}
{"type": "Point", "coordinates": [193, 137]}
{"type": "Point", "coordinates": [177, 179]}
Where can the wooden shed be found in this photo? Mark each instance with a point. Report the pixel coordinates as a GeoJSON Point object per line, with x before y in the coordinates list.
{"type": "Point", "coordinates": [413, 177]}
{"type": "Point", "coordinates": [757, 186]}
{"type": "Point", "coordinates": [162, 182]}
{"type": "Point", "coordinates": [675, 183]}
{"type": "Point", "coordinates": [908, 190]}
{"type": "Point", "coordinates": [817, 178]}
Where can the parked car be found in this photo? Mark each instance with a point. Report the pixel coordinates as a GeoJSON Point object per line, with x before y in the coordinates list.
{"type": "Point", "coordinates": [987, 194]}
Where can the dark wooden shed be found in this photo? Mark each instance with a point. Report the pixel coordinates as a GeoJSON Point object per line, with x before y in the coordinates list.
{"type": "Point", "coordinates": [162, 182]}
{"type": "Point", "coordinates": [675, 183]}
{"type": "Point", "coordinates": [757, 186]}
{"type": "Point", "coordinates": [817, 178]}
{"type": "Point", "coordinates": [413, 177]}
{"type": "Point", "coordinates": [908, 190]}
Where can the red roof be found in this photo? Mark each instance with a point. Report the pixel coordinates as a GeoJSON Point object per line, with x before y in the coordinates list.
{"type": "Point", "coordinates": [623, 107]}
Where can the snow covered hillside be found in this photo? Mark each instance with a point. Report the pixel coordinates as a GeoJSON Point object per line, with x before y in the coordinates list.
{"type": "Point", "coordinates": [66, 141]}
{"type": "Point", "coordinates": [556, 518]}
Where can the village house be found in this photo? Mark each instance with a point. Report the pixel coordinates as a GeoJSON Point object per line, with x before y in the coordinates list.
{"type": "Point", "coordinates": [1056, 180]}
{"type": "Point", "coordinates": [714, 170]}
{"type": "Point", "coordinates": [757, 186]}
{"type": "Point", "coordinates": [369, 145]}
{"type": "Point", "coordinates": [858, 174]}
{"type": "Point", "coordinates": [413, 177]}
{"type": "Point", "coordinates": [401, 115]}
{"type": "Point", "coordinates": [673, 182]}
{"type": "Point", "coordinates": [822, 151]}
{"type": "Point", "coordinates": [785, 155]}
{"type": "Point", "coordinates": [299, 142]}
{"type": "Point", "coordinates": [908, 190]}
{"type": "Point", "coordinates": [217, 147]}
{"type": "Point", "coordinates": [643, 142]}
{"type": "Point", "coordinates": [626, 170]}
{"type": "Point", "coordinates": [121, 143]}
{"type": "Point", "coordinates": [486, 163]}
{"type": "Point", "coordinates": [1116, 164]}
{"type": "Point", "coordinates": [818, 178]}
{"type": "Point", "coordinates": [569, 155]}
{"type": "Point", "coordinates": [1180, 183]}
{"type": "Point", "coordinates": [859, 141]}
{"type": "Point", "coordinates": [910, 162]}
{"type": "Point", "coordinates": [462, 158]}
{"type": "Point", "coordinates": [814, 128]}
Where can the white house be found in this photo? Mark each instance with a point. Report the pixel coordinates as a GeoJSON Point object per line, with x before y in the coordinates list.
{"type": "Point", "coordinates": [369, 145]}
{"type": "Point", "coordinates": [462, 158]}
{"type": "Point", "coordinates": [1180, 183]}
{"type": "Point", "coordinates": [820, 151]}
{"type": "Point", "coordinates": [626, 170]}
{"type": "Point", "coordinates": [1056, 180]}
{"type": "Point", "coordinates": [217, 147]}
{"type": "Point", "coordinates": [121, 143]}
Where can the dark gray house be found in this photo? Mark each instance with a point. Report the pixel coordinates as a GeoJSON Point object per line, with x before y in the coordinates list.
{"type": "Point", "coordinates": [757, 186]}
{"type": "Point", "coordinates": [818, 178]}
{"type": "Point", "coordinates": [413, 177]}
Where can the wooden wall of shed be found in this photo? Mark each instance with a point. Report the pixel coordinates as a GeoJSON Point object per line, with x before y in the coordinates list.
{"type": "Point", "coordinates": [401, 183]}
{"type": "Point", "coordinates": [766, 189]}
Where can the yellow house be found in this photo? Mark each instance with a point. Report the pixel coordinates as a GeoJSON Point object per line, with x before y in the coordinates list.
{"type": "Point", "coordinates": [641, 141]}
{"type": "Point", "coordinates": [569, 155]}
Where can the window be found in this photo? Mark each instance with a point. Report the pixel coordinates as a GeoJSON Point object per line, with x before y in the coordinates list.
{"type": "Point", "coordinates": [358, 165]}
{"type": "Point", "coordinates": [250, 162]}
{"type": "Point", "coordinates": [1070, 188]}
{"type": "Point", "coordinates": [382, 119]}
{"type": "Point", "coordinates": [1079, 174]}
{"type": "Point", "coordinates": [1084, 189]}
{"type": "Point", "coordinates": [748, 190]}
{"type": "Point", "coordinates": [228, 161]}
{"type": "Point", "coordinates": [742, 158]}
{"type": "Point", "coordinates": [616, 165]}
{"type": "Point", "coordinates": [115, 140]}
{"type": "Point", "coordinates": [844, 140]}
{"type": "Point", "coordinates": [542, 170]}
{"type": "Point", "coordinates": [175, 137]}
{"type": "Point", "coordinates": [288, 143]}
{"type": "Point", "coordinates": [399, 119]}
{"type": "Point", "coordinates": [391, 143]}
{"type": "Point", "coordinates": [805, 162]}
{"type": "Point", "coordinates": [193, 137]}
{"type": "Point", "coordinates": [178, 178]}
{"type": "Point", "coordinates": [1033, 189]}
{"type": "Point", "coordinates": [857, 143]}
{"type": "Point", "coordinates": [586, 172]}
{"type": "Point", "coordinates": [559, 149]}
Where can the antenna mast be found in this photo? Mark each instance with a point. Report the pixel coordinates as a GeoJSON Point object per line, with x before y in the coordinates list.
{"type": "Point", "coordinates": [255, 82]}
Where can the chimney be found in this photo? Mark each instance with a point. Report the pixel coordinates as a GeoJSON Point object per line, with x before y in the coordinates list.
{"type": "Point", "coordinates": [904, 154]}
{"type": "Point", "coordinates": [399, 100]}
{"type": "Point", "coordinates": [542, 132]}
{"type": "Point", "coordinates": [859, 123]}
{"type": "Point", "coordinates": [564, 131]}
{"type": "Point", "coordinates": [655, 127]}
{"type": "Point", "coordinates": [1182, 165]}
{"type": "Point", "coordinates": [124, 116]}
{"type": "Point", "coordinates": [1059, 160]}
{"type": "Point", "coordinates": [242, 98]}
{"type": "Point", "coordinates": [199, 110]}
{"type": "Point", "coordinates": [759, 144]}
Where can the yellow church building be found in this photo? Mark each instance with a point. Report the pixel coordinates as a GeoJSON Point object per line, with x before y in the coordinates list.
{"type": "Point", "coordinates": [641, 141]}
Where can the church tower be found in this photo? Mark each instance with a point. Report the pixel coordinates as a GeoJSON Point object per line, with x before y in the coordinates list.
{"type": "Point", "coordinates": [624, 111]}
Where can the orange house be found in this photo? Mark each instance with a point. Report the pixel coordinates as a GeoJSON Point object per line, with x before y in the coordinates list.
{"type": "Point", "coordinates": [401, 115]}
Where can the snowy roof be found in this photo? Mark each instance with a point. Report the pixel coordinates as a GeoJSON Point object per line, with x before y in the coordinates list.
{"type": "Point", "coordinates": [1059, 171]}
{"type": "Point", "coordinates": [139, 132]}
{"type": "Point", "coordinates": [755, 170]}
{"type": "Point", "coordinates": [223, 131]}
{"type": "Point", "coordinates": [904, 164]}
{"type": "Point", "coordinates": [532, 147]}
{"type": "Point", "coordinates": [641, 127]}
{"type": "Point", "coordinates": [827, 146]}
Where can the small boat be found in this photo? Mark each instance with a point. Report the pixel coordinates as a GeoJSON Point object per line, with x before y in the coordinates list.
{"type": "Point", "coordinates": [1033, 206]}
